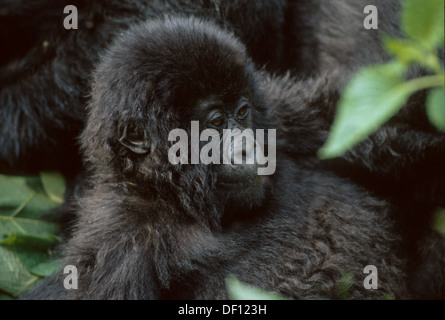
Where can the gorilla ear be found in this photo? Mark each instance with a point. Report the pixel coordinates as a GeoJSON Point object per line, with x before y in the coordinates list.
{"type": "Point", "coordinates": [133, 137]}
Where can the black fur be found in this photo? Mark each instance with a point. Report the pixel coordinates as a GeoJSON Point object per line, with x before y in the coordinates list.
{"type": "Point", "coordinates": [44, 78]}
{"type": "Point", "coordinates": [152, 230]}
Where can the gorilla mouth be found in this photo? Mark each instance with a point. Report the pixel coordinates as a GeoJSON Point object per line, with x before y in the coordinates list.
{"type": "Point", "coordinates": [246, 180]}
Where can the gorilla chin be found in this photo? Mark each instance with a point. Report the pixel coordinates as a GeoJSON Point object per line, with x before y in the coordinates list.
{"type": "Point", "coordinates": [243, 189]}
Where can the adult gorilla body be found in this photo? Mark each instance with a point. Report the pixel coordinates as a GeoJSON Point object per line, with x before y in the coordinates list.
{"type": "Point", "coordinates": [149, 229]}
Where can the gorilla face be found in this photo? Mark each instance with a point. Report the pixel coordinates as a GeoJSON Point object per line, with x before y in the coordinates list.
{"type": "Point", "coordinates": [231, 124]}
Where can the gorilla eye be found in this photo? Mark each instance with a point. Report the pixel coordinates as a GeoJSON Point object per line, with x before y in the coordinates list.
{"type": "Point", "coordinates": [242, 112]}
{"type": "Point", "coordinates": [218, 122]}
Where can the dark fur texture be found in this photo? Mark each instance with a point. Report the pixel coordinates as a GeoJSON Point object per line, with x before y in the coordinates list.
{"type": "Point", "coordinates": [152, 230]}
{"type": "Point", "coordinates": [402, 165]}
{"type": "Point", "coordinates": [44, 81]}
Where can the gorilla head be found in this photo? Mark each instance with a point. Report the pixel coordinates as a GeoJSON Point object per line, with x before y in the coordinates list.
{"type": "Point", "coordinates": [161, 77]}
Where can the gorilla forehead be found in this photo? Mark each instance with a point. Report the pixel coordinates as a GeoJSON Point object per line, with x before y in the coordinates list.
{"type": "Point", "coordinates": [182, 57]}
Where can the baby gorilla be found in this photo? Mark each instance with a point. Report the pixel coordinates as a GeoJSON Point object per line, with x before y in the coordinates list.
{"type": "Point", "coordinates": [151, 229]}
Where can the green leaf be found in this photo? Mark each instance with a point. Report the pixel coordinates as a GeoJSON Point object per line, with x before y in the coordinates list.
{"type": "Point", "coordinates": [344, 285]}
{"type": "Point", "coordinates": [240, 291]}
{"type": "Point", "coordinates": [26, 241]}
{"type": "Point", "coordinates": [439, 221]}
{"type": "Point", "coordinates": [46, 268]}
{"type": "Point", "coordinates": [23, 197]}
{"type": "Point", "coordinates": [372, 97]}
{"type": "Point", "coordinates": [54, 185]}
{"type": "Point", "coordinates": [14, 275]}
{"type": "Point", "coordinates": [435, 107]}
{"type": "Point", "coordinates": [37, 242]}
{"type": "Point", "coordinates": [389, 296]}
{"type": "Point", "coordinates": [423, 20]}
{"type": "Point", "coordinates": [23, 261]}
{"type": "Point", "coordinates": [23, 226]}
{"type": "Point", "coordinates": [406, 51]}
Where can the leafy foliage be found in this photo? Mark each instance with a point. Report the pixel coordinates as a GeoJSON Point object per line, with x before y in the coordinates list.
{"type": "Point", "coordinates": [422, 21]}
{"type": "Point", "coordinates": [26, 238]}
{"type": "Point", "coordinates": [378, 92]}
{"type": "Point", "coordinates": [435, 108]}
{"type": "Point", "coordinates": [439, 221]}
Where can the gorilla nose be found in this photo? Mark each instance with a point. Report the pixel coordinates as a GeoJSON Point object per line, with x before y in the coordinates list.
{"type": "Point", "coordinates": [239, 148]}
{"type": "Point", "coordinates": [246, 154]}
